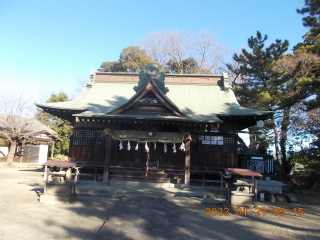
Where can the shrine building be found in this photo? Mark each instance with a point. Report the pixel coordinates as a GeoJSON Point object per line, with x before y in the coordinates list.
{"type": "Point", "coordinates": [189, 123]}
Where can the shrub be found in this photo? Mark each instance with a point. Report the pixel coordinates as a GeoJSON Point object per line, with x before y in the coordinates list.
{"type": "Point", "coordinates": [302, 180]}
{"type": "Point", "coordinates": [60, 157]}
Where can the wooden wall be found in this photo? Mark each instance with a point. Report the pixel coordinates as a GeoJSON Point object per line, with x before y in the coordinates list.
{"type": "Point", "coordinates": [131, 158]}
{"type": "Point", "coordinates": [200, 159]}
{"type": "Point", "coordinates": [92, 153]}
{"type": "Point", "coordinates": [206, 160]}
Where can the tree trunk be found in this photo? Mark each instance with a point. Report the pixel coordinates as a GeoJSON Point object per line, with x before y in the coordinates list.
{"type": "Point", "coordinates": [283, 135]}
{"type": "Point", "coordinates": [13, 146]}
{"type": "Point", "coordinates": [316, 183]}
{"type": "Point", "coordinates": [276, 145]}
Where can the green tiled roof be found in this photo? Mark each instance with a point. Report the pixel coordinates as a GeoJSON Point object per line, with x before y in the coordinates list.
{"type": "Point", "coordinates": [201, 103]}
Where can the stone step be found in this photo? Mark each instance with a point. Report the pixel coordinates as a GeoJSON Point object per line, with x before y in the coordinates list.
{"type": "Point", "coordinates": [144, 179]}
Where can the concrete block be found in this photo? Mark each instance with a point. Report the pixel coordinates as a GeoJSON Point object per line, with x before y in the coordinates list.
{"type": "Point", "coordinates": [270, 186]}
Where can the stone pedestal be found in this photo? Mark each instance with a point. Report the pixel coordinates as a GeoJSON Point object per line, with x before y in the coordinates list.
{"type": "Point", "coordinates": [270, 186]}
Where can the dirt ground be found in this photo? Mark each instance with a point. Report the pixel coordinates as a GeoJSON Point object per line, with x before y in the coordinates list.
{"type": "Point", "coordinates": [22, 216]}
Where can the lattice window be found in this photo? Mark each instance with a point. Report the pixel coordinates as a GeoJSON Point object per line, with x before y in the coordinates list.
{"type": "Point", "coordinates": [214, 144]}
{"type": "Point", "coordinates": [88, 138]}
{"type": "Point", "coordinates": [100, 139]}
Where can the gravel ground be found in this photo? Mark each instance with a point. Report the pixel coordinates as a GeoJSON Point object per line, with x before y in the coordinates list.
{"type": "Point", "coordinates": [22, 216]}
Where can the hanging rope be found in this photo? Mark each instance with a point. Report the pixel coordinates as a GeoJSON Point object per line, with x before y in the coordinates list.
{"type": "Point", "coordinates": [147, 161]}
{"type": "Point", "coordinates": [108, 131]}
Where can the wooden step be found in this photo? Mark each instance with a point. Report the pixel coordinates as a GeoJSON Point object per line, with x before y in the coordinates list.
{"type": "Point", "coordinates": [174, 172]}
{"type": "Point", "coordinates": [151, 174]}
{"type": "Point", "coordinates": [175, 176]}
{"type": "Point", "coordinates": [138, 175]}
{"type": "Point", "coordinates": [180, 181]}
{"type": "Point", "coordinates": [136, 170]}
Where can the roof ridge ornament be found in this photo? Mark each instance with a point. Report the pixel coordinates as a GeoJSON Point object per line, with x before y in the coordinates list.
{"type": "Point", "coordinates": [152, 73]}
{"type": "Point", "coordinates": [226, 84]}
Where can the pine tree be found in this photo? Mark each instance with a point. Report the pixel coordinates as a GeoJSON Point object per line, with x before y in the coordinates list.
{"type": "Point", "coordinates": [261, 82]}
{"type": "Point", "coordinates": [311, 84]}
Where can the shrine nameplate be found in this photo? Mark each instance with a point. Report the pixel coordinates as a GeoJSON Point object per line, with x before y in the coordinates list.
{"type": "Point", "coordinates": [148, 135]}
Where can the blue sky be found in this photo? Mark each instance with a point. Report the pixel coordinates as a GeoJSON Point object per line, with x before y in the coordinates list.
{"type": "Point", "coordinates": [46, 45]}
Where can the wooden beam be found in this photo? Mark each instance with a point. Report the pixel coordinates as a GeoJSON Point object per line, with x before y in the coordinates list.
{"type": "Point", "coordinates": [107, 160]}
{"type": "Point", "coordinates": [144, 135]}
{"type": "Point", "coordinates": [236, 150]}
{"type": "Point", "coordinates": [52, 148]}
{"type": "Point", "coordinates": [187, 166]}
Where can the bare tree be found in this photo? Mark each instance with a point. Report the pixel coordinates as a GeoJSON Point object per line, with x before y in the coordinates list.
{"type": "Point", "coordinates": [209, 52]}
{"type": "Point", "coordinates": [178, 47]}
{"type": "Point", "coordinates": [174, 50]}
{"type": "Point", "coordinates": [156, 46]}
{"type": "Point", "coordinates": [300, 64]}
{"type": "Point", "coordinates": [16, 119]}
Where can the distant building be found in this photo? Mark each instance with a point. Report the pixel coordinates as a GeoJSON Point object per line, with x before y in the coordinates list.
{"type": "Point", "coordinates": [36, 145]}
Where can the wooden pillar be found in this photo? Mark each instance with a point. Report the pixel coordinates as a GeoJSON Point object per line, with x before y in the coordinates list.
{"type": "Point", "coordinates": [70, 154]}
{"type": "Point", "coordinates": [187, 166]}
{"type": "Point", "coordinates": [52, 149]}
{"type": "Point", "coordinates": [255, 190]}
{"type": "Point", "coordinates": [107, 160]}
{"type": "Point", "coordinates": [221, 180]}
{"type": "Point", "coordinates": [45, 178]}
{"type": "Point", "coordinates": [236, 150]}
{"type": "Point", "coordinates": [203, 179]}
{"type": "Point", "coordinates": [228, 190]}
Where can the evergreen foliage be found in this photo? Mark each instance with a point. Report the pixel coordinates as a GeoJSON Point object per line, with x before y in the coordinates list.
{"type": "Point", "coordinates": [261, 83]}
{"type": "Point", "coordinates": [131, 59]}
{"type": "Point", "coordinates": [311, 45]}
{"type": "Point", "coordinates": [61, 126]}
